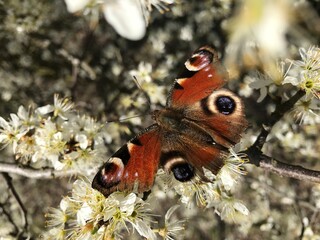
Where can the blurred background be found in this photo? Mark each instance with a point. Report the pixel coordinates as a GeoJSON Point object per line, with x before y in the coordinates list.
{"type": "Point", "coordinates": [90, 51]}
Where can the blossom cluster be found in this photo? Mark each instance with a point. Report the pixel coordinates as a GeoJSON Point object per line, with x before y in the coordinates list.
{"type": "Point", "coordinates": [305, 73]}
{"type": "Point", "coordinates": [135, 12]}
{"type": "Point", "coordinates": [54, 136]}
{"type": "Point", "coordinates": [87, 214]}
{"type": "Point", "coordinates": [217, 193]}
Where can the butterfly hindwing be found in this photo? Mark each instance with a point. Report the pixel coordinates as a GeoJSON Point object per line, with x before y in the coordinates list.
{"type": "Point", "coordinates": [221, 114]}
{"type": "Point", "coordinates": [209, 128]}
{"type": "Point", "coordinates": [134, 163]}
{"type": "Point", "coordinates": [191, 159]}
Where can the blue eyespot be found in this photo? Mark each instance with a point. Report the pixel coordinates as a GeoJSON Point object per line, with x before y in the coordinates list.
{"type": "Point", "coordinates": [183, 172]}
{"type": "Point", "coordinates": [225, 105]}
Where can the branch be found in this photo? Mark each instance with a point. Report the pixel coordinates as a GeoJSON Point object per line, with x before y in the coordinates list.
{"type": "Point", "coordinates": [279, 112]}
{"type": "Point", "coordinates": [10, 219]}
{"type": "Point", "coordinates": [34, 173]}
{"type": "Point", "coordinates": [281, 168]}
{"type": "Point", "coordinates": [257, 157]}
{"type": "Point", "coordinates": [288, 170]}
{"type": "Point", "coordinates": [8, 180]}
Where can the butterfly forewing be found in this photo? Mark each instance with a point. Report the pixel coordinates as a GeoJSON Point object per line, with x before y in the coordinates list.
{"type": "Point", "coordinates": [216, 113]}
{"type": "Point", "coordinates": [134, 163]}
{"type": "Point", "coordinates": [201, 75]}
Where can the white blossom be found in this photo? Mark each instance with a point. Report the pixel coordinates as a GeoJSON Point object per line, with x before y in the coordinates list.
{"type": "Point", "coordinates": [76, 5]}
{"type": "Point", "coordinates": [126, 17]}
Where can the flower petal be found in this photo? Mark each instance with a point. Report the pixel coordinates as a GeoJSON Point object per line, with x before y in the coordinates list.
{"type": "Point", "coordinates": [143, 229]}
{"type": "Point", "coordinates": [126, 17]}
{"type": "Point", "coordinates": [84, 214]}
{"type": "Point", "coordinates": [3, 123]}
{"type": "Point", "coordinates": [241, 208]}
{"type": "Point", "coordinates": [45, 109]}
{"type": "Point", "coordinates": [76, 5]}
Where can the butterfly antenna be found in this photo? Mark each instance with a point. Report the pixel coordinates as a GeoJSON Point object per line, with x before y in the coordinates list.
{"type": "Point", "coordinates": [136, 81]}
{"type": "Point", "coordinates": [145, 94]}
{"type": "Point", "coordinates": [123, 119]}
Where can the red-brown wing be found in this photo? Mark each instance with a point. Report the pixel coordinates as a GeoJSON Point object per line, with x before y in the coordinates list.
{"type": "Point", "coordinates": [185, 158]}
{"type": "Point", "coordinates": [222, 116]}
{"type": "Point", "coordinates": [209, 127]}
{"type": "Point", "coordinates": [209, 157]}
{"type": "Point", "coordinates": [202, 74]}
{"type": "Point", "coordinates": [135, 163]}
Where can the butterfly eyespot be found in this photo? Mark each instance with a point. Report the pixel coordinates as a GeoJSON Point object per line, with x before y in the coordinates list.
{"type": "Point", "coordinates": [183, 172]}
{"type": "Point", "coordinates": [199, 60]}
{"type": "Point", "coordinates": [193, 59]}
{"type": "Point", "coordinates": [226, 105]}
{"type": "Point", "coordinates": [111, 173]}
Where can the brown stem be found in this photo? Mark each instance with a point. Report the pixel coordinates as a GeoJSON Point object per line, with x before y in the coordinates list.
{"type": "Point", "coordinates": [288, 170]}
{"type": "Point", "coordinates": [281, 109]}
{"type": "Point", "coordinates": [10, 219]}
{"type": "Point", "coordinates": [8, 180]}
{"type": "Point", "coordinates": [34, 173]}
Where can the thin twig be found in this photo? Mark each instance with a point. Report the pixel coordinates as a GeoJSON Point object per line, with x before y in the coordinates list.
{"type": "Point", "coordinates": [8, 180]}
{"type": "Point", "coordinates": [288, 170]}
{"type": "Point", "coordinates": [279, 112]}
{"type": "Point", "coordinates": [9, 218]}
{"type": "Point", "coordinates": [34, 173]}
{"type": "Point", "coordinates": [281, 168]}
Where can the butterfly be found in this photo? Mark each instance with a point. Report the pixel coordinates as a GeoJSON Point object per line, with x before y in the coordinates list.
{"type": "Point", "coordinates": [200, 122]}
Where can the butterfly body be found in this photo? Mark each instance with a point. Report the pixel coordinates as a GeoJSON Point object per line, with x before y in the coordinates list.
{"type": "Point", "coordinates": [200, 122]}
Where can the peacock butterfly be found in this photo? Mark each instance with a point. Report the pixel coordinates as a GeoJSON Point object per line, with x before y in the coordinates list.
{"type": "Point", "coordinates": [200, 122]}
